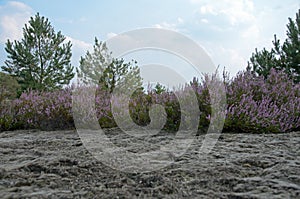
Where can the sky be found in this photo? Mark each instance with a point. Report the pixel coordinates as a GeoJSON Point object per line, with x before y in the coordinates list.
{"type": "Point", "coordinates": [228, 30]}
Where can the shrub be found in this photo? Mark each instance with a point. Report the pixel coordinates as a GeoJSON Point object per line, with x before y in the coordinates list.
{"type": "Point", "coordinates": [254, 104]}
{"type": "Point", "coordinates": [259, 105]}
{"type": "Point", "coordinates": [44, 110]}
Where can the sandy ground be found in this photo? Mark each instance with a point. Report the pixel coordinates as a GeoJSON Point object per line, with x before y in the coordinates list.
{"type": "Point", "coordinates": [55, 164]}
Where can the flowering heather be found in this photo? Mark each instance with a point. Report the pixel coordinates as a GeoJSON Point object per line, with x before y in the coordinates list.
{"type": "Point", "coordinates": [44, 110]}
{"type": "Point", "coordinates": [254, 104]}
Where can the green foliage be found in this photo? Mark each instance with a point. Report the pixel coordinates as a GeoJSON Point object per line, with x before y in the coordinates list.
{"type": "Point", "coordinates": [173, 112]}
{"type": "Point", "coordinates": [139, 107]}
{"type": "Point", "coordinates": [159, 88]}
{"type": "Point", "coordinates": [8, 87]}
{"type": "Point", "coordinates": [284, 56]}
{"type": "Point", "coordinates": [42, 59]}
{"type": "Point", "coordinates": [7, 123]}
{"type": "Point", "coordinates": [107, 122]}
{"type": "Point", "coordinates": [101, 69]}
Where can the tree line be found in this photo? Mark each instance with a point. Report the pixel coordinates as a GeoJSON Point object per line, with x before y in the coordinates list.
{"type": "Point", "coordinates": [41, 60]}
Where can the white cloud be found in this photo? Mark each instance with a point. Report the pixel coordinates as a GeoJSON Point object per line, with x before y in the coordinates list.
{"type": "Point", "coordinates": [13, 17]}
{"type": "Point", "coordinates": [207, 9]}
{"type": "Point", "coordinates": [110, 35]}
{"type": "Point", "coordinates": [176, 26]}
{"type": "Point", "coordinates": [230, 28]}
{"type": "Point", "coordinates": [165, 25]}
{"type": "Point", "coordinates": [79, 44]}
{"type": "Point", "coordinates": [239, 11]}
{"type": "Point", "coordinates": [180, 20]}
{"type": "Point", "coordinates": [204, 20]}
{"type": "Point", "coordinates": [251, 32]}
{"type": "Point", "coordinates": [20, 6]}
{"type": "Point", "coordinates": [236, 11]}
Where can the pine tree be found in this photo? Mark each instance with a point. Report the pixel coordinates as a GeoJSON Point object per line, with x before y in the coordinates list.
{"type": "Point", "coordinates": [291, 47]}
{"type": "Point", "coordinates": [282, 57]}
{"type": "Point", "coordinates": [100, 68]}
{"type": "Point", "coordinates": [41, 60]}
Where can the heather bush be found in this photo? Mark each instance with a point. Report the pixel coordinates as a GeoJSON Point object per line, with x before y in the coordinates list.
{"type": "Point", "coordinates": [6, 118]}
{"type": "Point", "coordinates": [127, 112]}
{"type": "Point", "coordinates": [169, 101]}
{"type": "Point", "coordinates": [211, 98]}
{"type": "Point", "coordinates": [203, 98]}
{"type": "Point", "coordinates": [254, 104]}
{"type": "Point", "coordinates": [268, 105]}
{"type": "Point", "coordinates": [139, 106]}
{"type": "Point", "coordinates": [42, 110]}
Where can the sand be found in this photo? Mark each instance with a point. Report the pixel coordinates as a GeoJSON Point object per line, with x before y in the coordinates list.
{"type": "Point", "coordinates": [55, 164]}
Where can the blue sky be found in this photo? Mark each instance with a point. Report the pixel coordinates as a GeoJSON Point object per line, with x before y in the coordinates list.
{"type": "Point", "coordinates": [229, 30]}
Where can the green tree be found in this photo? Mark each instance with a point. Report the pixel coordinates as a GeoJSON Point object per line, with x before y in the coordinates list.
{"type": "Point", "coordinates": [8, 87]}
{"type": "Point", "coordinates": [41, 60]}
{"type": "Point", "coordinates": [284, 56]}
{"type": "Point", "coordinates": [159, 88]}
{"type": "Point", "coordinates": [100, 68]}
